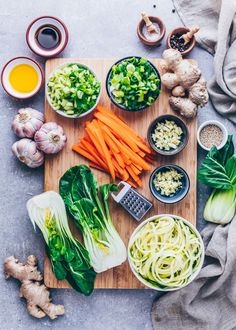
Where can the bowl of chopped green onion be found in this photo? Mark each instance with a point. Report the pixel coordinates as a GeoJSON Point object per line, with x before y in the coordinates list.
{"type": "Point", "coordinates": [73, 90]}
{"type": "Point", "coordinates": [166, 252]}
{"type": "Point", "coordinates": [169, 183]}
{"type": "Point", "coordinates": [167, 135]}
{"type": "Point", "coordinates": [133, 83]}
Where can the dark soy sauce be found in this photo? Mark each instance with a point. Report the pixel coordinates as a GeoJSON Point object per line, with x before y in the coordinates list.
{"type": "Point", "coordinates": [48, 37]}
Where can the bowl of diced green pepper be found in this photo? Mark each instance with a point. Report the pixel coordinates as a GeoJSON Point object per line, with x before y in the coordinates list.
{"type": "Point", "coordinates": [133, 83]}
{"type": "Point", "coordinates": [73, 90]}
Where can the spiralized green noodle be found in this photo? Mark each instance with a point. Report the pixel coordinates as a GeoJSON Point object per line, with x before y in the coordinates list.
{"type": "Point", "coordinates": [166, 252]}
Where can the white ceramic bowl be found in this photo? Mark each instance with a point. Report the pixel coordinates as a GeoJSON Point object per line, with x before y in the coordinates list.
{"type": "Point", "coordinates": [61, 112]}
{"type": "Point", "coordinates": [34, 27]}
{"type": "Point", "coordinates": [7, 69]}
{"type": "Point", "coordinates": [216, 123]}
{"type": "Point", "coordinates": [194, 275]}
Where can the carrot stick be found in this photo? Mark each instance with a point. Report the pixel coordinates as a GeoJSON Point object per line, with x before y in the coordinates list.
{"type": "Point", "coordinates": [117, 167]}
{"type": "Point", "coordinates": [138, 167]}
{"type": "Point", "coordinates": [105, 151]}
{"type": "Point", "coordinates": [119, 130]}
{"type": "Point", "coordinates": [94, 165]}
{"type": "Point", "coordinates": [150, 160]}
{"type": "Point", "coordinates": [110, 143]}
{"type": "Point", "coordinates": [135, 170]}
{"type": "Point", "coordinates": [119, 159]}
{"type": "Point", "coordinates": [114, 139]}
{"type": "Point", "coordinates": [98, 167]}
{"type": "Point", "coordinates": [111, 114]}
{"type": "Point", "coordinates": [84, 153]}
{"type": "Point", "coordinates": [128, 135]}
{"type": "Point", "coordinates": [126, 159]}
{"type": "Point", "coordinates": [93, 138]}
{"type": "Point", "coordinates": [134, 157]}
{"type": "Point", "coordinates": [141, 153]}
{"type": "Point", "coordinates": [93, 152]}
{"type": "Point", "coordinates": [125, 175]}
{"type": "Point", "coordinates": [131, 172]}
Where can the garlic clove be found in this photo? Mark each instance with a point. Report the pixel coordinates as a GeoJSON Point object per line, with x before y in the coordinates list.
{"type": "Point", "coordinates": [26, 151]}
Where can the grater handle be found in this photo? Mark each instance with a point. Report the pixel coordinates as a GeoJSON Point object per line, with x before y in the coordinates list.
{"type": "Point", "coordinates": [122, 192]}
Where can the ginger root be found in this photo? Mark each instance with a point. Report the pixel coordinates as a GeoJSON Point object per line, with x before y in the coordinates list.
{"type": "Point", "coordinates": [36, 294]}
{"type": "Point", "coordinates": [184, 80]}
{"type": "Point", "coordinates": [184, 105]}
{"type": "Point", "coordinates": [178, 91]}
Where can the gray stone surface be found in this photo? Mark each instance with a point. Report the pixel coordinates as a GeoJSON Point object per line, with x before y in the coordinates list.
{"type": "Point", "coordinates": [97, 29]}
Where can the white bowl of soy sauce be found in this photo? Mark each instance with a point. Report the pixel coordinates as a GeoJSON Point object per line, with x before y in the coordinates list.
{"type": "Point", "coordinates": [47, 36]}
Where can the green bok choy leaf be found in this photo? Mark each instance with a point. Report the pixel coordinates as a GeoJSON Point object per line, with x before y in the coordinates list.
{"type": "Point", "coordinates": [79, 190]}
{"type": "Point", "coordinates": [218, 171]}
{"type": "Point", "coordinates": [69, 259]}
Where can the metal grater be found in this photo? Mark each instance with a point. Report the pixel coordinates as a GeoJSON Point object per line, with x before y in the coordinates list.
{"type": "Point", "coordinates": [132, 201]}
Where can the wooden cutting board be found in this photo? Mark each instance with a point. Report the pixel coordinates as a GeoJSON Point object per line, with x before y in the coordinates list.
{"type": "Point", "coordinates": [55, 166]}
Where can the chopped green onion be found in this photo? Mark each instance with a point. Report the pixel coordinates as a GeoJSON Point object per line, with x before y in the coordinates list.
{"type": "Point", "coordinates": [134, 83]}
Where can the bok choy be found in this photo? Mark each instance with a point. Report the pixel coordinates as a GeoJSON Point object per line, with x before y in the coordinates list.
{"type": "Point", "coordinates": [218, 171]}
{"type": "Point", "coordinates": [79, 190]}
{"type": "Point", "coordinates": [69, 259]}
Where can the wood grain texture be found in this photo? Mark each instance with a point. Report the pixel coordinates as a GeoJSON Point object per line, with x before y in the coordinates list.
{"type": "Point", "coordinates": [55, 166]}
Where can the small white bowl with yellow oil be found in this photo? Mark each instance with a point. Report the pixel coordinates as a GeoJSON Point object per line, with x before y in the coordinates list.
{"type": "Point", "coordinates": [22, 77]}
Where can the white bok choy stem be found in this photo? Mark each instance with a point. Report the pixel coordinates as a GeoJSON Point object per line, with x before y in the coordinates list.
{"type": "Point", "coordinates": [69, 258]}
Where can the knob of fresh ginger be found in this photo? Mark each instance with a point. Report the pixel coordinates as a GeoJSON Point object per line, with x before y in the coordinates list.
{"type": "Point", "coordinates": [188, 36]}
{"type": "Point", "coordinates": [150, 27]}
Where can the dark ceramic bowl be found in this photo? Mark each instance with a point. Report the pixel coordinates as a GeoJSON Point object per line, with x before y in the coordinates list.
{"type": "Point", "coordinates": [184, 137]}
{"type": "Point", "coordinates": [112, 97]}
{"type": "Point", "coordinates": [153, 19]}
{"type": "Point", "coordinates": [180, 193]}
{"type": "Point", "coordinates": [182, 30]}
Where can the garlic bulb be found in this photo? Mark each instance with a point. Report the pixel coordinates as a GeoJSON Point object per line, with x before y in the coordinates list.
{"type": "Point", "coordinates": [26, 151]}
{"type": "Point", "coordinates": [27, 122]}
{"type": "Point", "coordinates": [50, 138]}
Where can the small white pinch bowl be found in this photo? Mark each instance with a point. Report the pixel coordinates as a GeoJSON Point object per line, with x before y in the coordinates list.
{"type": "Point", "coordinates": [7, 69]}
{"type": "Point", "coordinates": [218, 124]}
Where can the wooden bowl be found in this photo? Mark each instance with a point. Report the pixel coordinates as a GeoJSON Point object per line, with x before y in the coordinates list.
{"type": "Point", "coordinates": [162, 27]}
{"type": "Point", "coordinates": [182, 30]}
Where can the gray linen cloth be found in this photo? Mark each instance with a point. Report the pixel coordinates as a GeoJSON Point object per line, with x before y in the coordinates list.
{"type": "Point", "coordinates": [209, 302]}
{"type": "Point", "coordinates": [217, 21]}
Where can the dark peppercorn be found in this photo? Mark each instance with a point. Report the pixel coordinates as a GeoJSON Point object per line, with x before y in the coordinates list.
{"type": "Point", "coordinates": [154, 6]}
{"type": "Point", "coordinates": [173, 10]}
{"type": "Point", "coordinates": [177, 42]}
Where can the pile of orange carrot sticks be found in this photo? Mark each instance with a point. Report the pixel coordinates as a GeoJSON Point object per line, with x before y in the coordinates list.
{"type": "Point", "coordinates": [112, 146]}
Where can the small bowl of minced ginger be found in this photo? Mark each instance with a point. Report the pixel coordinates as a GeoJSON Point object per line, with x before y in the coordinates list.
{"type": "Point", "coordinates": [212, 133]}
{"type": "Point", "coordinates": [169, 183]}
{"type": "Point", "coordinates": [167, 135]}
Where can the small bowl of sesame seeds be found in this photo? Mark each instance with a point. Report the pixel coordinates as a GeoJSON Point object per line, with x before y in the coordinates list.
{"type": "Point", "coordinates": [212, 133]}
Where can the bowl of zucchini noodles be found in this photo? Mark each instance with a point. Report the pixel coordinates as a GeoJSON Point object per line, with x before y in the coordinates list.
{"type": "Point", "coordinates": [166, 252]}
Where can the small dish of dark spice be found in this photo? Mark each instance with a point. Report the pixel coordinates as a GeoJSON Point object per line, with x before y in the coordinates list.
{"type": "Point", "coordinates": [212, 133]}
{"type": "Point", "coordinates": [182, 39]}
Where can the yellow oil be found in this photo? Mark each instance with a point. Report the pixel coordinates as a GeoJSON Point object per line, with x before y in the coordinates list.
{"type": "Point", "coordinates": [23, 78]}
